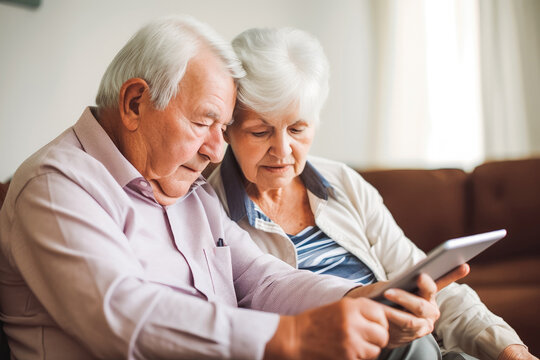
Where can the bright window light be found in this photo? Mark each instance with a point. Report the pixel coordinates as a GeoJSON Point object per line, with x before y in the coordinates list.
{"type": "Point", "coordinates": [453, 83]}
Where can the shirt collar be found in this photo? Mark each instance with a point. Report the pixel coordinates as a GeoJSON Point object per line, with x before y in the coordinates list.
{"type": "Point", "coordinates": [239, 202]}
{"type": "Point", "coordinates": [97, 143]}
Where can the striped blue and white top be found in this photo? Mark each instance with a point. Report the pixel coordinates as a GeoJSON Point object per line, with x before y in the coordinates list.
{"type": "Point", "coordinates": [318, 253]}
{"type": "Point", "coordinates": [322, 255]}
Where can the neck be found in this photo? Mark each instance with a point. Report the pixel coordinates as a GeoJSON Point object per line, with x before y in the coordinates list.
{"type": "Point", "coordinates": [109, 119]}
{"type": "Point", "coordinates": [288, 207]}
{"type": "Point", "coordinates": [271, 200]}
{"type": "Point", "coordinates": [125, 141]}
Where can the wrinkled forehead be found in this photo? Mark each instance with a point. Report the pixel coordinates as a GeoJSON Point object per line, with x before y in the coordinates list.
{"type": "Point", "coordinates": [286, 116]}
{"type": "Point", "coordinates": [208, 81]}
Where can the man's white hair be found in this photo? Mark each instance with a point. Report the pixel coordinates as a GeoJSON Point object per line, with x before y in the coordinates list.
{"type": "Point", "coordinates": [159, 53]}
{"type": "Point", "coordinates": [284, 67]}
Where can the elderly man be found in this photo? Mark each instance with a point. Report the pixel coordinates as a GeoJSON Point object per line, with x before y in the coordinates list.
{"type": "Point", "coordinates": [114, 246]}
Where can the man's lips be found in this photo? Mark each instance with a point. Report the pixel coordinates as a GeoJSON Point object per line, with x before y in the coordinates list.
{"type": "Point", "coordinates": [195, 169]}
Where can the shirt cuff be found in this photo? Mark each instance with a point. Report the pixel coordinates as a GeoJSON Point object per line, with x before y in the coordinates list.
{"type": "Point", "coordinates": [251, 331]}
{"type": "Point", "coordinates": [495, 339]}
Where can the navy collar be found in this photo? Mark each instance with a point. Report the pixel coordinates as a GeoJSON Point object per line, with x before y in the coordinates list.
{"type": "Point", "coordinates": [238, 200]}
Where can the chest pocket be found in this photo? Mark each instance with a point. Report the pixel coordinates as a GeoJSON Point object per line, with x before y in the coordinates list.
{"type": "Point", "coordinates": [219, 264]}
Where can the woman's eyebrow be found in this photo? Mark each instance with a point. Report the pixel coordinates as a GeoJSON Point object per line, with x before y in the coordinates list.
{"type": "Point", "coordinates": [255, 121]}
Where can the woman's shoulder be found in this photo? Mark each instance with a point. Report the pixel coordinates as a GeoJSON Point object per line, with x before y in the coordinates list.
{"type": "Point", "coordinates": [333, 170]}
{"type": "Point", "coordinates": [216, 182]}
{"type": "Point", "coordinates": [214, 179]}
{"type": "Point", "coordinates": [343, 178]}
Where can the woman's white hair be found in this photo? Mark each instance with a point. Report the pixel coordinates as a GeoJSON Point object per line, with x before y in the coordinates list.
{"type": "Point", "coordinates": [159, 53]}
{"type": "Point", "coordinates": [284, 67]}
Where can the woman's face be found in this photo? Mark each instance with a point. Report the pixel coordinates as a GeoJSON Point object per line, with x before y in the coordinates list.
{"type": "Point", "coordinates": [270, 149]}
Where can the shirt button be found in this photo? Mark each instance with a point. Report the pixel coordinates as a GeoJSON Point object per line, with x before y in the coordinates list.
{"type": "Point", "coordinates": [143, 183]}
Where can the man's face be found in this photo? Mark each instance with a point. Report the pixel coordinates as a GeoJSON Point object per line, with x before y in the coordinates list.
{"type": "Point", "coordinates": [177, 143]}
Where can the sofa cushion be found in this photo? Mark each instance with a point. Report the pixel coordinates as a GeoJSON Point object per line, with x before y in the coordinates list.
{"type": "Point", "coordinates": [506, 194]}
{"type": "Point", "coordinates": [427, 204]}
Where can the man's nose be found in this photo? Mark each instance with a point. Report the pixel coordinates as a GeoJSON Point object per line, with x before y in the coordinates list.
{"type": "Point", "coordinates": [212, 146]}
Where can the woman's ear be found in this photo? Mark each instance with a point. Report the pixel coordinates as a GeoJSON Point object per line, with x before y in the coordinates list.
{"type": "Point", "coordinates": [226, 135]}
{"type": "Point", "coordinates": [132, 93]}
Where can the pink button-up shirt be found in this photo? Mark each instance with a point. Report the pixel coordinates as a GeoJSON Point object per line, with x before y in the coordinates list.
{"type": "Point", "coordinates": [92, 266]}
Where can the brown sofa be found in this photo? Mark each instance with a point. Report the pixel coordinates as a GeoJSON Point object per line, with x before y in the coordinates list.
{"type": "Point", "coordinates": [435, 205]}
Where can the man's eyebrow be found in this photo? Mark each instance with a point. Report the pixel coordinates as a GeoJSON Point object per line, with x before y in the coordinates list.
{"type": "Point", "coordinates": [213, 115]}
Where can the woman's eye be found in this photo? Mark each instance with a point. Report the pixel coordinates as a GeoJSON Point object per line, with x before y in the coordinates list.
{"type": "Point", "coordinates": [296, 130]}
{"type": "Point", "coordinates": [259, 133]}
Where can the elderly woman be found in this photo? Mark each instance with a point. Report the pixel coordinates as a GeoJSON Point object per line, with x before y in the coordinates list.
{"type": "Point", "coordinates": [318, 214]}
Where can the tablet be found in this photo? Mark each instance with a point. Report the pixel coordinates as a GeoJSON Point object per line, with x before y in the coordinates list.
{"type": "Point", "coordinates": [441, 260]}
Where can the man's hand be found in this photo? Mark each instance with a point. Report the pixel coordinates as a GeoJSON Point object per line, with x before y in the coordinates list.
{"type": "Point", "coordinates": [347, 329]}
{"type": "Point", "coordinates": [516, 352]}
{"type": "Point", "coordinates": [421, 312]}
{"type": "Point", "coordinates": [421, 309]}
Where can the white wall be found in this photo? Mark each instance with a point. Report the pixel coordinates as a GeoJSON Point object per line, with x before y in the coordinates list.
{"type": "Point", "coordinates": [52, 59]}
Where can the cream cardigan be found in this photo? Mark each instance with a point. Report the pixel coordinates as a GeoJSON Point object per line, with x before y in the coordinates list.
{"type": "Point", "coordinates": [355, 217]}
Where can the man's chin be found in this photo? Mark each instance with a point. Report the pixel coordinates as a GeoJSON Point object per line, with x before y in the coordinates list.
{"type": "Point", "coordinates": [168, 192]}
{"type": "Point", "coordinates": [166, 200]}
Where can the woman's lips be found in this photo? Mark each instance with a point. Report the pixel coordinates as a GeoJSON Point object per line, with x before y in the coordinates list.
{"type": "Point", "coordinates": [276, 168]}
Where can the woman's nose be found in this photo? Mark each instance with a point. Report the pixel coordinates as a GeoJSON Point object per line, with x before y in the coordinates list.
{"type": "Point", "coordinates": [281, 146]}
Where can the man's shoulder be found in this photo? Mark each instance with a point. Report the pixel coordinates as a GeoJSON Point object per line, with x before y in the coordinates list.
{"type": "Point", "coordinates": [64, 156]}
{"type": "Point", "coordinates": [60, 155]}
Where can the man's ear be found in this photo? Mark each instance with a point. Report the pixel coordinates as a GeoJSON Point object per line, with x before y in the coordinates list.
{"type": "Point", "coordinates": [132, 93]}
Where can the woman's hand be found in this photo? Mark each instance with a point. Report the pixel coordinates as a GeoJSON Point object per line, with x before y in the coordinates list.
{"type": "Point", "coordinates": [516, 352]}
{"type": "Point", "coordinates": [454, 275]}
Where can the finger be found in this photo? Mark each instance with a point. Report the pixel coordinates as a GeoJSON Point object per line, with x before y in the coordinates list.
{"type": "Point", "coordinates": [456, 274]}
{"type": "Point", "coordinates": [426, 287]}
{"type": "Point", "coordinates": [404, 320]}
{"type": "Point", "coordinates": [372, 333]}
{"type": "Point", "coordinates": [367, 351]}
{"type": "Point", "coordinates": [366, 290]}
{"type": "Point", "coordinates": [414, 304]}
{"type": "Point", "coordinates": [372, 311]}
{"type": "Point", "coordinates": [410, 327]}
